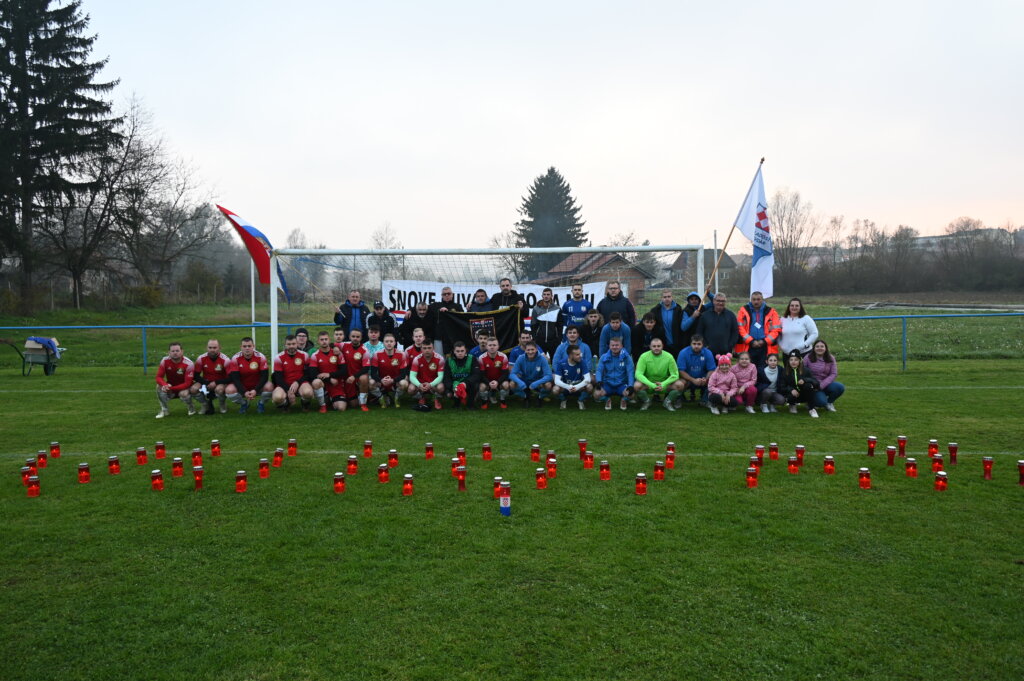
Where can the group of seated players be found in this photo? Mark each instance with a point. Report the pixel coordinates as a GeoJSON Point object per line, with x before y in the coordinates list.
{"type": "Point", "coordinates": [336, 373]}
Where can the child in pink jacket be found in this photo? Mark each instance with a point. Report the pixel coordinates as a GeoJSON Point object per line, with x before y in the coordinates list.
{"type": "Point", "coordinates": [746, 381]}
{"type": "Point", "coordinates": [722, 386]}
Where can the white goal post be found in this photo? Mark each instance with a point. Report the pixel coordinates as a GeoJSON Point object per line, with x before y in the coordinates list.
{"type": "Point", "coordinates": [488, 265]}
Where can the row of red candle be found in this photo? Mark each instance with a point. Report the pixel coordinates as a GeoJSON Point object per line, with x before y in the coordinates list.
{"type": "Point", "coordinates": [901, 447]}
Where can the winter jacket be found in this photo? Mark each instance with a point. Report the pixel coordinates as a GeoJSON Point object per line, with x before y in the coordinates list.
{"type": "Point", "coordinates": [547, 332]}
{"type": "Point", "coordinates": [688, 322]}
{"type": "Point", "coordinates": [640, 340]}
{"type": "Point", "coordinates": [607, 333]}
{"type": "Point", "coordinates": [620, 304]}
{"type": "Point", "coordinates": [674, 328]}
{"type": "Point", "coordinates": [788, 381]}
{"type": "Point", "coordinates": [823, 372]}
{"type": "Point", "coordinates": [615, 369]}
{"type": "Point", "coordinates": [385, 321]}
{"type": "Point", "coordinates": [771, 327]}
{"type": "Point", "coordinates": [347, 314]}
{"type": "Point", "coordinates": [720, 330]}
{"type": "Point", "coordinates": [723, 383]}
{"type": "Point", "coordinates": [413, 322]}
{"type": "Point", "coordinates": [534, 373]}
{"type": "Point", "coordinates": [591, 335]}
{"type": "Point", "coordinates": [764, 382]}
{"type": "Point", "coordinates": [499, 299]}
{"type": "Point", "coordinates": [562, 354]}
{"type": "Point", "coordinates": [745, 377]}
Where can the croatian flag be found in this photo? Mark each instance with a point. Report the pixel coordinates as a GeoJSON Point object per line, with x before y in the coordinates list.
{"type": "Point", "coordinates": [259, 248]}
{"type": "Point", "coordinates": [753, 222]}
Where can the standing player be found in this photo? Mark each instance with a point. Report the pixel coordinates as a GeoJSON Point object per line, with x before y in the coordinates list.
{"type": "Point", "coordinates": [426, 375]}
{"type": "Point", "coordinates": [174, 379]}
{"type": "Point", "coordinates": [495, 369]}
{"type": "Point", "coordinates": [248, 372]}
{"type": "Point", "coordinates": [576, 308]}
{"type": "Point", "coordinates": [290, 381]}
{"type": "Point", "coordinates": [212, 365]}
{"type": "Point", "coordinates": [390, 368]}
{"type": "Point", "coordinates": [461, 376]}
{"type": "Point", "coordinates": [572, 377]}
{"type": "Point", "coordinates": [329, 373]}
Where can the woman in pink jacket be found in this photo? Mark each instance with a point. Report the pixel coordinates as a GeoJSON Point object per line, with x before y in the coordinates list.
{"type": "Point", "coordinates": [722, 386]}
{"type": "Point", "coordinates": [746, 381]}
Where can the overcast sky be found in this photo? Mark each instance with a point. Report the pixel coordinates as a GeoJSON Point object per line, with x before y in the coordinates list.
{"type": "Point", "coordinates": [337, 117]}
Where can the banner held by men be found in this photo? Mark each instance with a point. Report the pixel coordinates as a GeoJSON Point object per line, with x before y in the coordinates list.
{"type": "Point", "coordinates": [504, 324]}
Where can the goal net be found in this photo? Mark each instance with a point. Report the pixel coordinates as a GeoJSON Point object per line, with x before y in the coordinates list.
{"type": "Point", "coordinates": [318, 280]}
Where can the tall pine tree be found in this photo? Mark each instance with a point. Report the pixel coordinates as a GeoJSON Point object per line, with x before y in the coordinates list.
{"type": "Point", "coordinates": [550, 218]}
{"type": "Point", "coordinates": [52, 114]}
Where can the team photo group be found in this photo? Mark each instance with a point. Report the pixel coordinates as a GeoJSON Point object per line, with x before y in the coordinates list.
{"type": "Point", "coordinates": [696, 352]}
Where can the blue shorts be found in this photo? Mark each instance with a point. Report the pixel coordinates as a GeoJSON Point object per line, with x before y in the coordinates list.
{"type": "Point", "coordinates": [615, 389]}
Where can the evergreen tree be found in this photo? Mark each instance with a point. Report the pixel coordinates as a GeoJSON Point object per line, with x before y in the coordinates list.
{"type": "Point", "coordinates": [52, 115]}
{"type": "Point", "coordinates": [550, 218]}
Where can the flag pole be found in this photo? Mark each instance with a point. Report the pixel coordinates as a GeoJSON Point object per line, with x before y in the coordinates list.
{"type": "Point", "coordinates": [252, 297]}
{"type": "Point", "coordinates": [721, 253]}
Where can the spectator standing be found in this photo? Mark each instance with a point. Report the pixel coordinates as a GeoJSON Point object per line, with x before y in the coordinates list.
{"type": "Point", "coordinates": [759, 329]}
{"type": "Point", "coordinates": [382, 318]}
{"type": "Point", "coordinates": [799, 332]}
{"type": "Point", "coordinates": [590, 334]}
{"type": "Point", "coordinates": [576, 308]}
{"type": "Point", "coordinates": [546, 323]}
{"type": "Point", "coordinates": [668, 316]}
{"type": "Point", "coordinates": [719, 328]}
{"type": "Point", "coordinates": [481, 303]}
{"type": "Point", "coordinates": [507, 296]}
{"type": "Point", "coordinates": [353, 313]}
{"type": "Point", "coordinates": [417, 319]}
{"type": "Point", "coordinates": [691, 315]}
{"type": "Point", "coordinates": [447, 303]}
{"type": "Point", "coordinates": [614, 301]}
{"type": "Point", "coordinates": [642, 335]}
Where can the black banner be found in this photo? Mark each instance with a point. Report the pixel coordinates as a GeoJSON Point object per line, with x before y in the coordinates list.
{"type": "Point", "coordinates": [505, 325]}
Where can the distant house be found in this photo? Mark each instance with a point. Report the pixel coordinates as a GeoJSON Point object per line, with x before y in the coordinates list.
{"type": "Point", "coordinates": [585, 268]}
{"type": "Point", "coordinates": [684, 269]}
{"type": "Point", "coordinates": [940, 241]}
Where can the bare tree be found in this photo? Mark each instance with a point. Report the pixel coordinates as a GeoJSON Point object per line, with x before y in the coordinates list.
{"type": "Point", "coordinates": [794, 229]}
{"type": "Point", "coordinates": [387, 266]}
{"type": "Point", "coordinates": [511, 263]}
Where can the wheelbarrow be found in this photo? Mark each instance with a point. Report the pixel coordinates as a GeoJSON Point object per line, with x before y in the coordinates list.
{"type": "Point", "coordinates": [45, 352]}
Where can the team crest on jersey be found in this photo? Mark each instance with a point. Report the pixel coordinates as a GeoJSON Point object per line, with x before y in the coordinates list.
{"type": "Point", "coordinates": [181, 371]}
{"type": "Point", "coordinates": [254, 365]}
{"type": "Point", "coordinates": [432, 366]}
{"type": "Point", "coordinates": [218, 368]}
{"type": "Point", "coordinates": [334, 359]}
{"type": "Point", "coordinates": [298, 361]}
{"type": "Point", "coordinates": [358, 355]}
{"type": "Point", "coordinates": [394, 362]}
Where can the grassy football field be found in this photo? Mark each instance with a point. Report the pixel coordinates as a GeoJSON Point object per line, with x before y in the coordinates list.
{"type": "Point", "coordinates": [807, 576]}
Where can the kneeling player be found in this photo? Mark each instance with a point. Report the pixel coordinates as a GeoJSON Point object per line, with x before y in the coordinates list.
{"type": "Point", "coordinates": [656, 372]}
{"type": "Point", "coordinates": [614, 375]}
{"type": "Point", "coordinates": [531, 375]}
{"type": "Point", "coordinates": [248, 373]}
{"type": "Point", "coordinates": [389, 371]}
{"type": "Point", "coordinates": [426, 376]}
{"type": "Point", "coordinates": [461, 376]}
{"type": "Point", "coordinates": [174, 379]}
{"type": "Point", "coordinates": [495, 369]}
{"type": "Point", "coordinates": [211, 373]}
{"type": "Point", "coordinates": [290, 381]}
{"type": "Point", "coordinates": [329, 373]}
{"type": "Point", "coordinates": [572, 378]}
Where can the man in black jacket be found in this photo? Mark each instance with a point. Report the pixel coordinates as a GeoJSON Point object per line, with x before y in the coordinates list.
{"type": "Point", "coordinates": [382, 319]}
{"type": "Point", "coordinates": [614, 301]}
{"type": "Point", "coordinates": [352, 314]}
{"type": "Point", "coordinates": [507, 296]}
{"type": "Point", "coordinates": [719, 326]}
{"type": "Point", "coordinates": [417, 319]}
{"type": "Point", "coordinates": [443, 346]}
{"type": "Point", "coordinates": [668, 317]}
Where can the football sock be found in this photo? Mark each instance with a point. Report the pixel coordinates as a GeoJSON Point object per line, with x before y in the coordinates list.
{"type": "Point", "coordinates": [320, 396]}
{"type": "Point", "coordinates": [238, 398]}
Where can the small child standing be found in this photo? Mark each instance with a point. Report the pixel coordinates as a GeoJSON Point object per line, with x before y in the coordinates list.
{"type": "Point", "coordinates": [722, 386]}
{"type": "Point", "coordinates": [768, 385]}
{"type": "Point", "coordinates": [797, 384]}
{"type": "Point", "coordinates": [746, 381]}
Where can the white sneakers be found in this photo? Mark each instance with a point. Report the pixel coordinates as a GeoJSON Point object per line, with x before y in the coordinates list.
{"type": "Point", "coordinates": [792, 409]}
{"type": "Point", "coordinates": [750, 410]}
{"type": "Point", "coordinates": [608, 404]}
{"type": "Point", "coordinates": [562, 405]}
{"type": "Point", "coordinates": [667, 403]}
{"type": "Point", "coordinates": [622, 404]}
{"type": "Point", "coordinates": [581, 405]}
{"type": "Point", "coordinates": [830, 406]}
{"type": "Point", "coordinates": [813, 413]}
{"type": "Point", "coordinates": [163, 413]}
{"type": "Point", "coordinates": [644, 406]}
{"type": "Point", "coordinates": [765, 409]}
{"type": "Point", "coordinates": [714, 410]}
{"type": "Point", "coordinates": [191, 410]}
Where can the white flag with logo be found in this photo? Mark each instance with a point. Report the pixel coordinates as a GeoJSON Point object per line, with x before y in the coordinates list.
{"type": "Point", "coordinates": [753, 222]}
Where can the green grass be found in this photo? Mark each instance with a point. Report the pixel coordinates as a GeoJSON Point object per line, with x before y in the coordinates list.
{"type": "Point", "coordinates": [807, 576]}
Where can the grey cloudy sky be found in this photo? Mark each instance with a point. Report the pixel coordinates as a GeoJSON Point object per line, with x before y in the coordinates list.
{"type": "Point", "coordinates": [338, 116]}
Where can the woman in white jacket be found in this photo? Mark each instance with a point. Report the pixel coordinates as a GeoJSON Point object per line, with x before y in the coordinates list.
{"type": "Point", "coordinates": [798, 329]}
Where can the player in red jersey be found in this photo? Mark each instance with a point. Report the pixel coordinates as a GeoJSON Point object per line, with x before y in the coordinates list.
{"type": "Point", "coordinates": [290, 380]}
{"type": "Point", "coordinates": [426, 375]}
{"type": "Point", "coordinates": [413, 351]}
{"type": "Point", "coordinates": [355, 358]}
{"type": "Point", "coordinates": [329, 370]}
{"type": "Point", "coordinates": [249, 375]}
{"type": "Point", "coordinates": [495, 368]}
{"type": "Point", "coordinates": [174, 379]}
{"type": "Point", "coordinates": [389, 371]}
{"type": "Point", "coordinates": [212, 374]}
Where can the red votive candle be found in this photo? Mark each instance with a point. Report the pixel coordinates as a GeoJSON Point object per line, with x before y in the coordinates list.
{"type": "Point", "coordinates": [670, 460]}
{"type": "Point", "coordinates": [773, 451]}
{"type": "Point", "coordinates": [535, 453]}
{"type": "Point", "coordinates": [793, 467]}
{"type": "Point", "coordinates": [113, 465]}
{"type": "Point", "coordinates": [941, 482]}
{"type": "Point", "coordinates": [339, 482]}
{"type": "Point", "coordinates": [31, 463]}
{"type": "Point", "coordinates": [986, 468]}
{"type": "Point", "coordinates": [901, 442]}
{"type": "Point", "coordinates": [461, 454]}
{"type": "Point", "coordinates": [641, 484]}
{"type": "Point", "coordinates": [864, 478]}
{"type": "Point", "coordinates": [197, 475]}
{"type": "Point", "coordinates": [26, 473]}
{"type": "Point", "coordinates": [214, 448]}
{"type": "Point", "coordinates": [83, 473]}
{"type": "Point", "coordinates": [392, 458]}
{"type": "Point", "coordinates": [428, 450]}
{"type": "Point", "coordinates": [800, 449]}
{"type": "Point", "coordinates": [141, 458]}
{"type": "Point", "coordinates": [455, 466]}
{"type": "Point", "coordinates": [497, 485]}
{"type": "Point", "coordinates": [830, 465]}
{"type": "Point", "coordinates": [752, 462]}
{"type": "Point", "coordinates": [933, 447]}
{"type": "Point", "coordinates": [757, 461]}
{"type": "Point", "coordinates": [605, 471]}
{"type": "Point", "coordinates": [552, 467]}
{"type": "Point", "coordinates": [353, 465]}
{"type": "Point", "coordinates": [293, 447]}
{"type": "Point", "coordinates": [751, 477]}
{"type": "Point", "coordinates": [872, 443]}
{"type": "Point", "coordinates": [197, 457]}
{"type": "Point", "coordinates": [368, 448]}
{"type": "Point", "coordinates": [542, 478]}
{"type": "Point", "coordinates": [670, 448]}
{"type": "Point", "coordinates": [1020, 471]}
{"type": "Point", "coordinates": [953, 448]}
{"type": "Point", "coordinates": [487, 454]}
{"type": "Point", "coordinates": [937, 463]}
{"type": "Point", "coordinates": [460, 475]}
{"type": "Point", "coordinates": [890, 455]}
{"type": "Point", "coordinates": [911, 467]}
{"type": "Point", "coordinates": [54, 450]}
{"type": "Point", "coordinates": [551, 455]}
{"type": "Point", "coordinates": [407, 485]}
{"type": "Point", "coordinates": [659, 470]}
{"type": "Point", "coordinates": [177, 467]}
{"type": "Point", "coordinates": [759, 453]}
{"type": "Point", "coordinates": [383, 474]}
{"type": "Point", "coordinates": [160, 450]}
{"type": "Point", "coordinates": [279, 458]}
{"type": "Point", "coordinates": [32, 488]}
{"type": "Point", "coordinates": [156, 481]}
{"type": "Point", "coordinates": [241, 482]}
{"type": "Point", "coordinates": [582, 444]}
{"type": "Point", "coordinates": [588, 460]}
{"type": "Point", "coordinates": [263, 470]}
{"type": "Point", "coordinates": [41, 458]}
